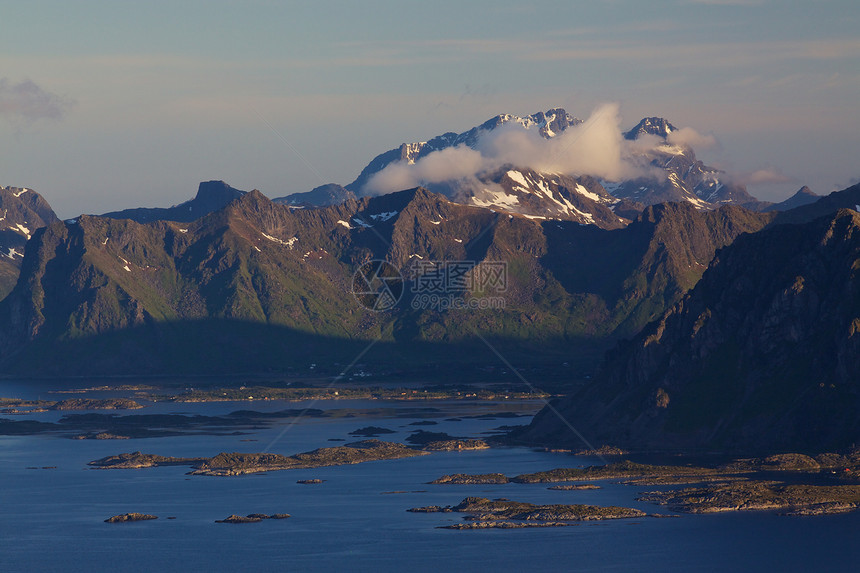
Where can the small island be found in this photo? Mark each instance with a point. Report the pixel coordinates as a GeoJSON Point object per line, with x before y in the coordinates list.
{"type": "Point", "coordinates": [792, 499]}
{"type": "Point", "coordinates": [233, 464]}
{"type": "Point", "coordinates": [484, 513]}
{"type": "Point", "coordinates": [252, 518]}
{"type": "Point", "coordinates": [128, 517]}
{"type": "Point", "coordinates": [471, 479]}
{"type": "Point", "coordinates": [18, 406]}
{"type": "Point", "coordinates": [740, 485]}
{"type": "Point", "coordinates": [574, 487]}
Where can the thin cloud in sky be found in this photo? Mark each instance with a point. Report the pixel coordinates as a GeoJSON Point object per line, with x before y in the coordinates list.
{"type": "Point", "coordinates": [671, 53]}
{"type": "Point", "coordinates": [26, 101]}
{"type": "Point", "coordinates": [767, 176]}
{"type": "Point", "coordinates": [726, 2]}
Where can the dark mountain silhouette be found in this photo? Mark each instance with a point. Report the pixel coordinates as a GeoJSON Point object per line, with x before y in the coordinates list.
{"type": "Point", "coordinates": [762, 354]}
{"type": "Point", "coordinates": [322, 196]}
{"type": "Point", "coordinates": [211, 196]}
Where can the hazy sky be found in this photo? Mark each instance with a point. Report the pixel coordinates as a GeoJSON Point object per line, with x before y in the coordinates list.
{"type": "Point", "coordinates": [107, 105]}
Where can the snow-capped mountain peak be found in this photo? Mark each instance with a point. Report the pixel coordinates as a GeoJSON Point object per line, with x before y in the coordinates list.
{"type": "Point", "coordinates": [651, 126]}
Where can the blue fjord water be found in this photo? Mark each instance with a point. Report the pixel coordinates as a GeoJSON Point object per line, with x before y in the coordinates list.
{"type": "Point", "coordinates": [52, 519]}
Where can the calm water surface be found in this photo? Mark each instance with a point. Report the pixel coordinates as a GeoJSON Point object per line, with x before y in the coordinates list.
{"type": "Point", "coordinates": [52, 519]}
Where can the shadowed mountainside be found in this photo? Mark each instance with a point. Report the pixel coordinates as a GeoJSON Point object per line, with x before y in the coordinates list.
{"type": "Point", "coordinates": [569, 290]}
{"type": "Point", "coordinates": [763, 353]}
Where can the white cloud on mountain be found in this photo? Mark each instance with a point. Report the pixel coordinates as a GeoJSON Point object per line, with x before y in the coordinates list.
{"type": "Point", "coordinates": [691, 137]}
{"type": "Point", "coordinates": [596, 147]}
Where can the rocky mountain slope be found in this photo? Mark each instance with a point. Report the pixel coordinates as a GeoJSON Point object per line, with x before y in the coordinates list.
{"type": "Point", "coordinates": [22, 212]}
{"type": "Point", "coordinates": [762, 354]}
{"type": "Point", "coordinates": [258, 286]}
{"type": "Point", "coordinates": [686, 178]}
{"type": "Point", "coordinates": [548, 196]}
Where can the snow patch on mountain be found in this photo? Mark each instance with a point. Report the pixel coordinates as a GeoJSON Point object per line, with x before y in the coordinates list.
{"type": "Point", "coordinates": [586, 193]}
{"type": "Point", "coordinates": [496, 199]}
{"type": "Point", "coordinates": [382, 217]}
{"type": "Point", "coordinates": [21, 229]}
{"type": "Point", "coordinates": [288, 243]}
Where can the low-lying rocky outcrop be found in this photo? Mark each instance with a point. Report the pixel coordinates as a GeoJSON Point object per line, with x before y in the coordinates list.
{"type": "Point", "coordinates": [126, 517]}
{"type": "Point", "coordinates": [619, 470]}
{"type": "Point", "coordinates": [506, 524]}
{"type": "Point", "coordinates": [230, 464]}
{"type": "Point", "coordinates": [456, 445]}
{"type": "Point", "coordinates": [796, 462]}
{"type": "Point", "coordinates": [471, 479]}
{"type": "Point", "coordinates": [137, 460]}
{"type": "Point", "coordinates": [96, 404]}
{"type": "Point", "coordinates": [795, 499]}
{"type": "Point", "coordinates": [480, 510]}
{"type": "Point", "coordinates": [574, 487]}
{"type": "Point", "coordinates": [252, 518]}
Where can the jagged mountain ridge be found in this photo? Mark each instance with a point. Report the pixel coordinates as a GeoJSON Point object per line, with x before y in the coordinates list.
{"type": "Point", "coordinates": [548, 123]}
{"type": "Point", "coordinates": [687, 178]}
{"type": "Point", "coordinates": [678, 174]}
{"type": "Point", "coordinates": [762, 354]}
{"type": "Point", "coordinates": [115, 296]}
{"type": "Point", "coordinates": [22, 212]}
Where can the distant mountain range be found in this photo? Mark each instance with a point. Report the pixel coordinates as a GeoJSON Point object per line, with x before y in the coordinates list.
{"type": "Point", "coordinates": [322, 196]}
{"type": "Point", "coordinates": [678, 176]}
{"type": "Point", "coordinates": [211, 196]}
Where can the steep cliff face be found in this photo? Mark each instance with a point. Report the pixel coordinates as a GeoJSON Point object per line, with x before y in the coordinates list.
{"type": "Point", "coordinates": [22, 212]}
{"type": "Point", "coordinates": [762, 354]}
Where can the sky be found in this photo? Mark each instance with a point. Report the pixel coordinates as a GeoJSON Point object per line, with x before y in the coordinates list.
{"type": "Point", "coordinates": [110, 105]}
